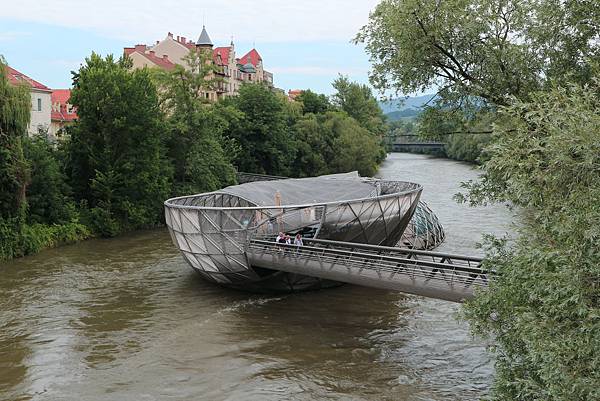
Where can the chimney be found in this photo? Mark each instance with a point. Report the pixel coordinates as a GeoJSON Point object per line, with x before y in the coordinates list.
{"type": "Point", "coordinates": [165, 57]}
{"type": "Point", "coordinates": [183, 39]}
{"type": "Point", "coordinates": [158, 41]}
{"type": "Point", "coordinates": [152, 52]}
{"type": "Point", "coordinates": [140, 48]}
{"type": "Point", "coordinates": [170, 35]}
{"type": "Point", "coordinates": [178, 38]}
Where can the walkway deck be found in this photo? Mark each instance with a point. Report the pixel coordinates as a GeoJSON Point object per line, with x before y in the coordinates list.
{"type": "Point", "coordinates": [431, 274]}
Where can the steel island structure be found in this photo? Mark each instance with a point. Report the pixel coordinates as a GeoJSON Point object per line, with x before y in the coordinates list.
{"type": "Point", "coordinates": [351, 227]}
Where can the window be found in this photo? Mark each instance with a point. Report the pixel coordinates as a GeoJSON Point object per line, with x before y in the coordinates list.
{"type": "Point", "coordinates": [39, 104]}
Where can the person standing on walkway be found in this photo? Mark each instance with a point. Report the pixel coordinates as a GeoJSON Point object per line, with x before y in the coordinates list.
{"type": "Point", "coordinates": [298, 242]}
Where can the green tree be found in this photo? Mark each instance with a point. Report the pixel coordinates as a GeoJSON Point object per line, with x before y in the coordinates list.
{"type": "Point", "coordinates": [312, 102]}
{"type": "Point", "coordinates": [354, 147]}
{"type": "Point", "coordinates": [263, 134]}
{"type": "Point", "coordinates": [48, 195]}
{"type": "Point", "coordinates": [491, 49]}
{"type": "Point", "coordinates": [198, 151]}
{"type": "Point", "coordinates": [116, 155]}
{"type": "Point", "coordinates": [543, 308]}
{"type": "Point", "coordinates": [480, 54]}
{"type": "Point", "coordinates": [358, 101]}
{"type": "Point", "coordinates": [313, 147]}
{"type": "Point", "coordinates": [15, 105]}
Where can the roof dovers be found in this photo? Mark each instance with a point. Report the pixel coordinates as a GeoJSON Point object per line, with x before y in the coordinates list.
{"type": "Point", "coordinates": [60, 106]}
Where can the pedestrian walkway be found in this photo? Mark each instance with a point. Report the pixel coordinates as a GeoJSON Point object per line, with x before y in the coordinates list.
{"type": "Point", "coordinates": [432, 274]}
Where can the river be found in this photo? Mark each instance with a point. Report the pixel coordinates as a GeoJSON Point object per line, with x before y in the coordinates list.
{"type": "Point", "coordinates": [127, 319]}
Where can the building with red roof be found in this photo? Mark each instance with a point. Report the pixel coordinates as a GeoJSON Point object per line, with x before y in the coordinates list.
{"type": "Point", "coordinates": [143, 57]}
{"type": "Point", "coordinates": [251, 57]}
{"type": "Point", "coordinates": [40, 100]}
{"type": "Point", "coordinates": [232, 71]}
{"type": "Point", "coordinates": [294, 93]}
{"type": "Point", "coordinates": [63, 113]}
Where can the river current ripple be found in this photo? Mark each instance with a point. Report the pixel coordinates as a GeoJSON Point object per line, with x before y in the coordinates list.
{"type": "Point", "coordinates": [127, 319]}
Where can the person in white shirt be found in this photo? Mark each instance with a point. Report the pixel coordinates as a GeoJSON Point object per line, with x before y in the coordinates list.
{"type": "Point", "coordinates": [298, 240]}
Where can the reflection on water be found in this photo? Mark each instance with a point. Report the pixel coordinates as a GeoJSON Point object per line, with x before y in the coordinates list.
{"type": "Point", "coordinates": [127, 319]}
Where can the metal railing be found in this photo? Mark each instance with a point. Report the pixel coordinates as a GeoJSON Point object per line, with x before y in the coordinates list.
{"type": "Point", "coordinates": [432, 274]}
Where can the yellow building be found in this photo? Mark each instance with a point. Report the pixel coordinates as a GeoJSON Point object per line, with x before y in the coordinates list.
{"type": "Point", "coordinates": [231, 70]}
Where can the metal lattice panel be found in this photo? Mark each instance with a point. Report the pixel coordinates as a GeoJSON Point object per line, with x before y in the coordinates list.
{"type": "Point", "coordinates": [424, 230]}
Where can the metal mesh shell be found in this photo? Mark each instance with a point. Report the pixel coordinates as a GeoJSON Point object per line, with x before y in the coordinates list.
{"type": "Point", "coordinates": [424, 230]}
{"type": "Point", "coordinates": [213, 230]}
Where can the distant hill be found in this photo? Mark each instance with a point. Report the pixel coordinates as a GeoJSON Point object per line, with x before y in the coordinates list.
{"type": "Point", "coordinates": [396, 109]}
{"type": "Point", "coordinates": [403, 114]}
{"type": "Point", "coordinates": [402, 103]}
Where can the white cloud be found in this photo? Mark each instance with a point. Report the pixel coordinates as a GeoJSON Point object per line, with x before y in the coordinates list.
{"type": "Point", "coordinates": [263, 21]}
{"type": "Point", "coordinates": [317, 70]}
{"type": "Point", "coordinates": [9, 36]}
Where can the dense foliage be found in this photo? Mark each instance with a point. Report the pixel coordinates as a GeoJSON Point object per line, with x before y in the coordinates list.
{"type": "Point", "coordinates": [491, 49]}
{"type": "Point", "coordinates": [266, 144]}
{"type": "Point", "coordinates": [196, 147]}
{"type": "Point", "coordinates": [313, 102]}
{"type": "Point", "coordinates": [276, 137]}
{"type": "Point", "coordinates": [144, 135]}
{"type": "Point", "coordinates": [544, 309]}
{"type": "Point", "coordinates": [480, 54]}
{"type": "Point", "coordinates": [116, 162]}
{"type": "Point", "coordinates": [14, 174]}
{"type": "Point", "coordinates": [524, 70]}
{"type": "Point", "coordinates": [35, 210]}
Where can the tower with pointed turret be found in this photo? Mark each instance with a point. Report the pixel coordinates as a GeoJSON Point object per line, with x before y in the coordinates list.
{"type": "Point", "coordinates": [232, 71]}
{"type": "Point", "coordinates": [204, 41]}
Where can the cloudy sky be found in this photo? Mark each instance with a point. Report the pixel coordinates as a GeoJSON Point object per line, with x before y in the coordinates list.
{"type": "Point", "coordinates": [305, 43]}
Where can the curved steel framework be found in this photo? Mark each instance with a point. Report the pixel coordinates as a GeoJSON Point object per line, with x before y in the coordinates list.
{"type": "Point", "coordinates": [214, 230]}
{"type": "Point", "coordinates": [424, 230]}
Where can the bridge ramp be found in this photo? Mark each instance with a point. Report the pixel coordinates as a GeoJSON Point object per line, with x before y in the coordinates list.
{"type": "Point", "coordinates": [435, 275]}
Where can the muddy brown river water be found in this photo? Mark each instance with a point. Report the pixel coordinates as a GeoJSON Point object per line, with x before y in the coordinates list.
{"type": "Point", "coordinates": [127, 319]}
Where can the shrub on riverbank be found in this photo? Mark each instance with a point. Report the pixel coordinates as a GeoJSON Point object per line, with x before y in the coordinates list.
{"type": "Point", "coordinates": [543, 310]}
{"type": "Point", "coordinates": [537, 63]}
{"type": "Point", "coordinates": [36, 211]}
